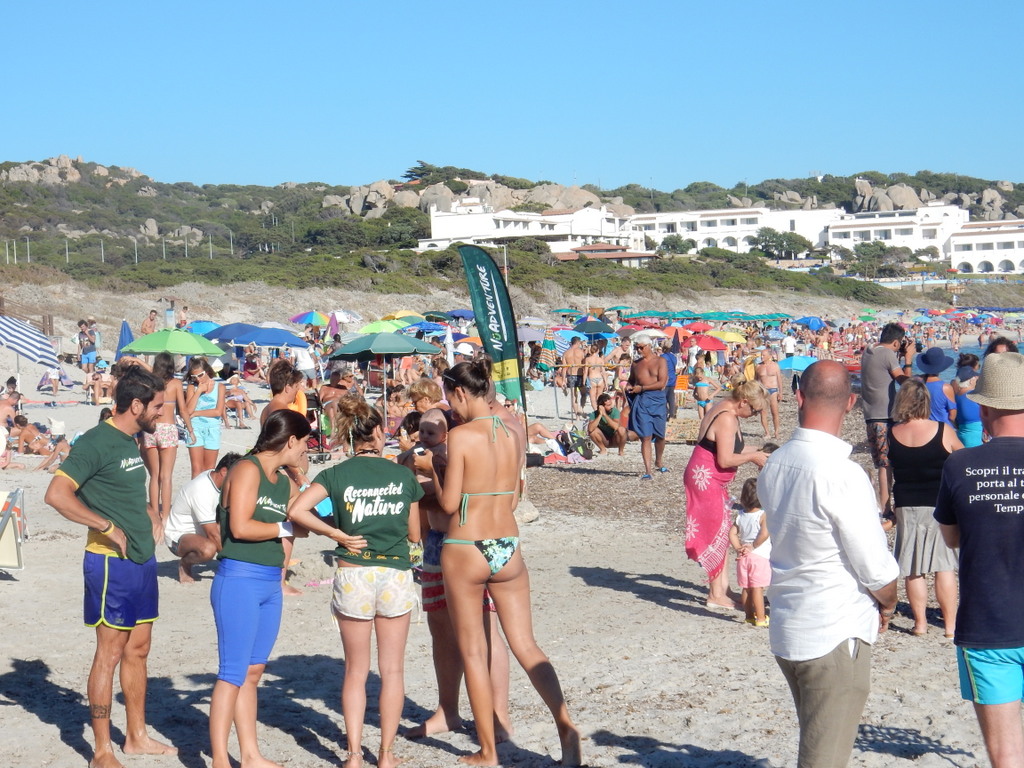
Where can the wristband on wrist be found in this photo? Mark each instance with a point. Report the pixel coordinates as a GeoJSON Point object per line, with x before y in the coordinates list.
{"type": "Point", "coordinates": [109, 529]}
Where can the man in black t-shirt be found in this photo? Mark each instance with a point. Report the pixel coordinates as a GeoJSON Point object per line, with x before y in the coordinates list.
{"type": "Point", "coordinates": [981, 510]}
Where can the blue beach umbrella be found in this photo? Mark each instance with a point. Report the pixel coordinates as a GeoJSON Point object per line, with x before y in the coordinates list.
{"type": "Point", "coordinates": [270, 337]}
{"type": "Point", "coordinates": [797, 363]}
{"type": "Point", "coordinates": [814, 323]}
{"type": "Point", "coordinates": [202, 327]}
{"type": "Point", "coordinates": [230, 331]}
{"type": "Point", "coordinates": [27, 341]}
{"type": "Point", "coordinates": [124, 338]}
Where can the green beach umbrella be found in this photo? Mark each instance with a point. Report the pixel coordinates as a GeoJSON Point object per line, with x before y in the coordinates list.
{"type": "Point", "coordinates": [174, 341]}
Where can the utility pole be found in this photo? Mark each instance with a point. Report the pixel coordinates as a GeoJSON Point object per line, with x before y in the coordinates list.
{"type": "Point", "coordinates": [211, 246]}
{"type": "Point", "coordinates": [103, 256]}
{"type": "Point", "coordinates": [28, 248]}
{"type": "Point", "coordinates": [67, 252]}
{"type": "Point", "coordinates": [163, 242]}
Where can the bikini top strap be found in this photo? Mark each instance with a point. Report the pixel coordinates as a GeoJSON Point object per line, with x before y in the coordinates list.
{"type": "Point", "coordinates": [495, 423]}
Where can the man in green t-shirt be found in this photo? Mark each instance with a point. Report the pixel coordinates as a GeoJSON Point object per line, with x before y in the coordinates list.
{"type": "Point", "coordinates": [604, 427]}
{"type": "Point", "coordinates": [102, 485]}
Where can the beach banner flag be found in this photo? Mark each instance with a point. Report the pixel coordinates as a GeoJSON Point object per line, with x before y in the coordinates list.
{"type": "Point", "coordinates": [495, 320]}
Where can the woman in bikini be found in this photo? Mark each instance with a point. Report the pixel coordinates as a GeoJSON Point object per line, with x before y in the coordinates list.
{"type": "Point", "coordinates": [160, 449]}
{"type": "Point", "coordinates": [480, 490]}
{"type": "Point", "coordinates": [596, 382]}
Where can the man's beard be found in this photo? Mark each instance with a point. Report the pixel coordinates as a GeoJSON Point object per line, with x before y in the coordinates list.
{"type": "Point", "coordinates": [147, 424]}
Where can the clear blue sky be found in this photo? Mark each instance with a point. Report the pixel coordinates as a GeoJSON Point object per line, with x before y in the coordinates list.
{"type": "Point", "coordinates": [658, 93]}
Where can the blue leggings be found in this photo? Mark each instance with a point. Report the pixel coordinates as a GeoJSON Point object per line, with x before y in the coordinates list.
{"type": "Point", "coordinates": [246, 601]}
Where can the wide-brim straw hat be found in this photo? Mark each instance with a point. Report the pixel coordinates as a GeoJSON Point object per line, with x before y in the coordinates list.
{"type": "Point", "coordinates": [934, 361]}
{"type": "Point", "coordinates": [1001, 383]}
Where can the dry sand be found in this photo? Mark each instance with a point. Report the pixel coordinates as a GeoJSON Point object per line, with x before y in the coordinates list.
{"type": "Point", "coordinates": [651, 677]}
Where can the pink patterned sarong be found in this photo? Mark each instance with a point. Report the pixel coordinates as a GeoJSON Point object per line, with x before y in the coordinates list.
{"type": "Point", "coordinates": [707, 510]}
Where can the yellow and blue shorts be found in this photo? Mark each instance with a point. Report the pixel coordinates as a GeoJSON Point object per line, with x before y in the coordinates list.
{"type": "Point", "coordinates": [119, 592]}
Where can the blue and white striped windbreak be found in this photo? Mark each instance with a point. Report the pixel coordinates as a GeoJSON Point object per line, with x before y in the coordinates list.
{"type": "Point", "coordinates": [26, 341]}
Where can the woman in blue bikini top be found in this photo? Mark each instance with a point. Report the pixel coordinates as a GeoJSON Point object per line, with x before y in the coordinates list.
{"type": "Point", "coordinates": [479, 489]}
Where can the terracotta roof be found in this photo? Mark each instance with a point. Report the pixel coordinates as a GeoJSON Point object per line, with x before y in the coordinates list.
{"type": "Point", "coordinates": [600, 247]}
{"type": "Point", "coordinates": [574, 256]}
{"type": "Point", "coordinates": [559, 211]}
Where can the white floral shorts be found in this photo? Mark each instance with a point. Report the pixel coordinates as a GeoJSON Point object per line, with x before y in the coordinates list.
{"type": "Point", "coordinates": [365, 592]}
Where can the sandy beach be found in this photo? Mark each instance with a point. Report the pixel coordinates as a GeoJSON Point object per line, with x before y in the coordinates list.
{"type": "Point", "coordinates": [651, 676]}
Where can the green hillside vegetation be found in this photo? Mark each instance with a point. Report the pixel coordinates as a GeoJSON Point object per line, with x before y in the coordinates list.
{"type": "Point", "coordinates": [284, 236]}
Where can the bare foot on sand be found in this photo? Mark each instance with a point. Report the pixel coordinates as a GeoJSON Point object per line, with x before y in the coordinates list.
{"type": "Point", "coordinates": [148, 746]}
{"type": "Point", "coordinates": [436, 723]}
{"type": "Point", "coordinates": [571, 754]}
{"type": "Point", "coordinates": [288, 589]}
{"type": "Point", "coordinates": [105, 759]}
{"type": "Point", "coordinates": [479, 758]}
{"type": "Point", "coordinates": [503, 730]}
{"type": "Point", "coordinates": [260, 762]}
{"type": "Point", "coordinates": [715, 605]}
{"type": "Point", "coordinates": [387, 759]}
{"type": "Point", "coordinates": [185, 574]}
{"type": "Point", "coordinates": [354, 760]}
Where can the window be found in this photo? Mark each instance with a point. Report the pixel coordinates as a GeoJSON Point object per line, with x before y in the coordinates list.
{"type": "Point", "coordinates": [1006, 246]}
{"type": "Point", "coordinates": [863, 236]}
{"type": "Point", "coordinates": [709, 223]}
{"type": "Point", "coordinates": [986, 246]}
{"type": "Point", "coordinates": [728, 222]}
{"type": "Point", "coordinates": [689, 226]}
{"type": "Point", "coordinates": [668, 228]}
{"type": "Point", "coordinates": [840, 235]}
{"type": "Point", "coordinates": [792, 225]}
{"type": "Point", "coordinates": [752, 221]}
{"type": "Point", "coordinates": [905, 231]}
{"type": "Point", "coordinates": [883, 234]}
{"type": "Point", "coordinates": [930, 234]}
{"type": "Point", "coordinates": [961, 247]}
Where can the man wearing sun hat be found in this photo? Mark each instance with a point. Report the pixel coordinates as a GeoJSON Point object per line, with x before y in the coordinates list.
{"type": "Point", "coordinates": [980, 509]}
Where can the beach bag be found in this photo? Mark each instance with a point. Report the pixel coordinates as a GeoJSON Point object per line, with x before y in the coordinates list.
{"type": "Point", "coordinates": [575, 442]}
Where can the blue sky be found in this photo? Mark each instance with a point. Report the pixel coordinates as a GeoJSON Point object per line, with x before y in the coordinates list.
{"type": "Point", "coordinates": [658, 93]}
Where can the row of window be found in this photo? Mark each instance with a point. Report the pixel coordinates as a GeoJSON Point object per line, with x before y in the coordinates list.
{"type": "Point", "coordinates": [1006, 245]}
{"type": "Point", "coordinates": [866, 235]}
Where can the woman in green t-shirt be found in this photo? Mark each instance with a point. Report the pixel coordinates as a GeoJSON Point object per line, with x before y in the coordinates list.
{"type": "Point", "coordinates": [376, 518]}
{"type": "Point", "coordinates": [246, 592]}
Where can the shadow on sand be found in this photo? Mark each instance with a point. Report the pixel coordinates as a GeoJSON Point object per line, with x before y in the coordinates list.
{"type": "Point", "coordinates": [652, 753]}
{"type": "Point", "coordinates": [658, 588]}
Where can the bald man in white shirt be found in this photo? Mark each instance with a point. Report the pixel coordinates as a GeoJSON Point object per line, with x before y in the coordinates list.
{"type": "Point", "coordinates": [833, 579]}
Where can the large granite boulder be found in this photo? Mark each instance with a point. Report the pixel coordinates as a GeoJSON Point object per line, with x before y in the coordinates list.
{"type": "Point", "coordinates": [880, 201]}
{"type": "Point", "coordinates": [149, 228]}
{"type": "Point", "coordinates": [903, 197]}
{"type": "Point", "coordinates": [335, 201]}
{"type": "Point", "coordinates": [437, 195]}
{"type": "Point", "coordinates": [1004, 186]}
{"type": "Point", "coordinates": [406, 198]}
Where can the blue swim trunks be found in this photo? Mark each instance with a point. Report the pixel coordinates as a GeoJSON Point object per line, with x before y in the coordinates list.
{"type": "Point", "coordinates": [647, 414]}
{"type": "Point", "coordinates": [119, 592]}
{"type": "Point", "coordinates": [991, 675]}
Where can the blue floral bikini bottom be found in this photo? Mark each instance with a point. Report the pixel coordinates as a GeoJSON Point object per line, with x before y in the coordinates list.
{"type": "Point", "coordinates": [497, 552]}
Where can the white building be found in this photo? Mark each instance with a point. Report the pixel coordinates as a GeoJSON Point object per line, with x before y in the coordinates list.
{"type": "Point", "coordinates": [732, 228]}
{"type": "Point", "coordinates": [930, 225]}
{"type": "Point", "coordinates": [971, 247]}
{"type": "Point", "coordinates": [989, 246]}
{"type": "Point", "coordinates": [472, 222]}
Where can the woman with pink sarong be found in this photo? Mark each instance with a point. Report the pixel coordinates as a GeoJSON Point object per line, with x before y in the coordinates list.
{"type": "Point", "coordinates": [718, 453]}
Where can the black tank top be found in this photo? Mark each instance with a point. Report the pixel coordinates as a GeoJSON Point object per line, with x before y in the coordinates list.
{"type": "Point", "coordinates": [709, 445]}
{"type": "Point", "coordinates": [917, 471]}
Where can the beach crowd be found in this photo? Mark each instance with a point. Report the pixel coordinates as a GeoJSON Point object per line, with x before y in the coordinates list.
{"type": "Point", "coordinates": [427, 468]}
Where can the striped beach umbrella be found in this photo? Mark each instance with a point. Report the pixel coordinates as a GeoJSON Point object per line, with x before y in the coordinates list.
{"type": "Point", "coordinates": [27, 341]}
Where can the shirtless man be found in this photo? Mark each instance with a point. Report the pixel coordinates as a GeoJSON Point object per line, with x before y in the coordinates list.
{"type": "Point", "coordinates": [149, 324]}
{"type": "Point", "coordinates": [647, 410]}
{"type": "Point", "coordinates": [768, 373]}
{"type": "Point", "coordinates": [573, 362]}
{"type": "Point", "coordinates": [447, 660]}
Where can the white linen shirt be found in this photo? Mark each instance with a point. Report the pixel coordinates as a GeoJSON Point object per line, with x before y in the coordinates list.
{"type": "Point", "coordinates": [193, 507]}
{"type": "Point", "coordinates": [828, 548]}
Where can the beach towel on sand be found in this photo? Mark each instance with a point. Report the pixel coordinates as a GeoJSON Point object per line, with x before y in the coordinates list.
{"type": "Point", "coordinates": [647, 413]}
